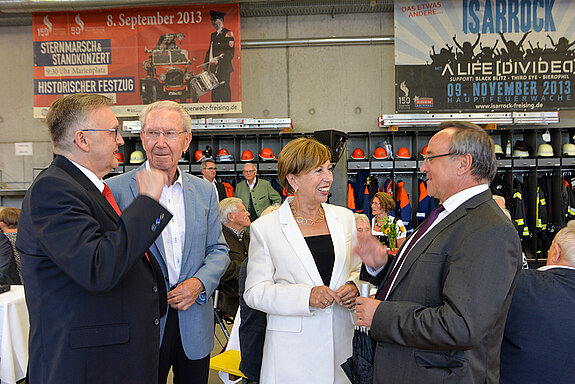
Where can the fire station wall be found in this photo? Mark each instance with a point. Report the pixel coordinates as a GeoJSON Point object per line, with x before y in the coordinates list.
{"type": "Point", "coordinates": [321, 87]}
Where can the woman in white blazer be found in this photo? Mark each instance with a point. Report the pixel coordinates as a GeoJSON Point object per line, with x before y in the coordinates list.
{"type": "Point", "coordinates": [302, 274]}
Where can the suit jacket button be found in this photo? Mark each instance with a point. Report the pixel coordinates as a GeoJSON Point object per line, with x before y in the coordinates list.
{"type": "Point", "coordinates": [154, 226]}
{"type": "Point", "coordinates": [155, 289]}
{"type": "Point", "coordinates": [156, 321]}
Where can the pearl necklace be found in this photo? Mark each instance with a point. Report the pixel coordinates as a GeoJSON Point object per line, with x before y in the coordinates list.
{"type": "Point", "coordinates": [304, 221]}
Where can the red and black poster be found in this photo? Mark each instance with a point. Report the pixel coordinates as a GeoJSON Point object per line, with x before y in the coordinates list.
{"type": "Point", "coordinates": [484, 55]}
{"type": "Point", "coordinates": [137, 56]}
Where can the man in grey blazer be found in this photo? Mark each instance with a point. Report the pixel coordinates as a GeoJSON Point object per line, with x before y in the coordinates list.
{"type": "Point", "coordinates": [191, 250]}
{"type": "Point", "coordinates": [257, 194]}
{"type": "Point", "coordinates": [440, 311]}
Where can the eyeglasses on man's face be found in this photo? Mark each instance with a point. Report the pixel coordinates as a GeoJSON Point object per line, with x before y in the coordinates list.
{"type": "Point", "coordinates": [210, 168]}
{"type": "Point", "coordinates": [115, 130]}
{"type": "Point", "coordinates": [168, 135]}
{"type": "Point", "coordinates": [429, 158]}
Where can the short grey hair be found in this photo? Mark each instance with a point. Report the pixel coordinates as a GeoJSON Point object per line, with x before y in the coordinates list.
{"type": "Point", "coordinates": [473, 140]}
{"type": "Point", "coordinates": [227, 206]}
{"type": "Point", "coordinates": [170, 106]}
{"type": "Point", "coordinates": [204, 163]}
{"type": "Point", "coordinates": [361, 217]}
{"type": "Point", "coordinates": [566, 240]}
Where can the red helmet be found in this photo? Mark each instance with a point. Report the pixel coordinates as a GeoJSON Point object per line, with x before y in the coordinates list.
{"type": "Point", "coordinates": [247, 155]}
{"type": "Point", "coordinates": [403, 153]}
{"type": "Point", "coordinates": [380, 153]}
{"type": "Point", "coordinates": [199, 155]}
{"type": "Point", "coordinates": [267, 154]}
{"type": "Point", "coordinates": [120, 157]}
{"type": "Point", "coordinates": [358, 154]}
{"type": "Point", "coordinates": [424, 151]}
{"type": "Point", "coordinates": [223, 152]}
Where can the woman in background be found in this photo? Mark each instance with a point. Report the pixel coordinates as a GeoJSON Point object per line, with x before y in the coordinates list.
{"type": "Point", "coordinates": [382, 205]}
{"type": "Point", "coordinates": [302, 274]}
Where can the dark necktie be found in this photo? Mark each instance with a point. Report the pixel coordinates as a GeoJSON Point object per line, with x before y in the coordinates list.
{"type": "Point", "coordinates": [108, 194]}
{"type": "Point", "coordinates": [420, 231]}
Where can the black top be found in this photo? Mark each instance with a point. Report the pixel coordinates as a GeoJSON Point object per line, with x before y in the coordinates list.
{"type": "Point", "coordinates": [321, 248]}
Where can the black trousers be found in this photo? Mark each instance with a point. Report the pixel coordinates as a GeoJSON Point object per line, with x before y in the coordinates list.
{"type": "Point", "coordinates": [172, 354]}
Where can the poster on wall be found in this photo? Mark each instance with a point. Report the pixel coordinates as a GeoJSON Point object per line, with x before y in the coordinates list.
{"type": "Point", "coordinates": [187, 54]}
{"type": "Point", "coordinates": [484, 55]}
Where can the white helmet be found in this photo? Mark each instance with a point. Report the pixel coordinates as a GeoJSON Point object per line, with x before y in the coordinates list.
{"type": "Point", "coordinates": [545, 150]}
{"type": "Point", "coordinates": [498, 149]}
{"type": "Point", "coordinates": [569, 149]}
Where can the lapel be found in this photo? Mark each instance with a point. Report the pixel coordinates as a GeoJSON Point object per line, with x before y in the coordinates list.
{"type": "Point", "coordinates": [190, 195]}
{"type": "Point", "coordinates": [67, 166]}
{"type": "Point", "coordinates": [297, 242]}
{"type": "Point", "coordinates": [338, 238]}
{"type": "Point", "coordinates": [417, 250]}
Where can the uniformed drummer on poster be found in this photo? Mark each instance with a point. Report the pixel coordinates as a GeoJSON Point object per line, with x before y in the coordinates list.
{"type": "Point", "coordinates": [219, 57]}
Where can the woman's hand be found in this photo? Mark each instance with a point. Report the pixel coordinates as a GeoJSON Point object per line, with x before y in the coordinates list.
{"type": "Point", "coordinates": [347, 294]}
{"type": "Point", "coordinates": [322, 297]}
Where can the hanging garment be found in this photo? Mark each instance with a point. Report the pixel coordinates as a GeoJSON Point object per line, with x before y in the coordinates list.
{"type": "Point", "coordinates": [403, 208]}
{"type": "Point", "coordinates": [426, 203]}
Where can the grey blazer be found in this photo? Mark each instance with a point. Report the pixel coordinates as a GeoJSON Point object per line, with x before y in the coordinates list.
{"type": "Point", "coordinates": [444, 318]}
{"type": "Point", "coordinates": [205, 255]}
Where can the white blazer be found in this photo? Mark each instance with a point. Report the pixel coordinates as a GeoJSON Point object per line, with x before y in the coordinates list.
{"type": "Point", "coordinates": [302, 344]}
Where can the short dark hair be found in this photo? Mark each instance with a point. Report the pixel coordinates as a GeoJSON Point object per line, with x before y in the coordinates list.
{"type": "Point", "coordinates": [471, 139]}
{"type": "Point", "coordinates": [69, 113]}
{"type": "Point", "coordinates": [298, 156]}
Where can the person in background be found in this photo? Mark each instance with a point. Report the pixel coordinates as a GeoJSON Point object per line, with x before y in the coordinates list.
{"type": "Point", "coordinates": [191, 251]}
{"type": "Point", "coordinates": [500, 200]}
{"type": "Point", "coordinates": [208, 168]}
{"type": "Point", "coordinates": [9, 225]}
{"type": "Point", "coordinates": [252, 329]}
{"type": "Point", "coordinates": [382, 205]}
{"type": "Point", "coordinates": [8, 269]}
{"type": "Point", "coordinates": [235, 220]}
{"type": "Point", "coordinates": [539, 340]}
{"type": "Point", "coordinates": [257, 194]}
{"type": "Point", "coordinates": [362, 225]}
{"type": "Point", "coordinates": [302, 274]}
{"type": "Point", "coordinates": [94, 299]}
{"type": "Point", "coordinates": [439, 313]}
{"type": "Point", "coordinates": [219, 57]}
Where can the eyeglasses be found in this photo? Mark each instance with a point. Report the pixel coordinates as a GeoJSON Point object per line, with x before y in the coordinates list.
{"type": "Point", "coordinates": [115, 130]}
{"type": "Point", "coordinates": [249, 170]}
{"type": "Point", "coordinates": [210, 168]}
{"type": "Point", "coordinates": [169, 135]}
{"type": "Point", "coordinates": [429, 158]}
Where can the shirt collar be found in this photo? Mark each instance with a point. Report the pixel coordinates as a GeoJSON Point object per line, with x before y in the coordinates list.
{"type": "Point", "coordinates": [90, 175]}
{"type": "Point", "coordinates": [462, 196]}
{"type": "Point", "coordinates": [213, 181]}
{"type": "Point", "coordinates": [238, 234]}
{"type": "Point", "coordinates": [547, 267]}
{"type": "Point", "coordinates": [252, 184]}
{"type": "Point", "coordinates": [178, 179]}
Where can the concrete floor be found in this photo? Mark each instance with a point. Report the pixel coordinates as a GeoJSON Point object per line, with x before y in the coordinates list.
{"type": "Point", "coordinates": [219, 342]}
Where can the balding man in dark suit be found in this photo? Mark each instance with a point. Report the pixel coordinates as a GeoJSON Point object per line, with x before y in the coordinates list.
{"type": "Point", "coordinates": [539, 340]}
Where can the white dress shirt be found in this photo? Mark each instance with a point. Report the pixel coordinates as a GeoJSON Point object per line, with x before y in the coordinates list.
{"type": "Point", "coordinates": [252, 185]}
{"type": "Point", "coordinates": [174, 235]}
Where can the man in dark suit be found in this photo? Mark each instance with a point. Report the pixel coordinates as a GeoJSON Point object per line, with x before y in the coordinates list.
{"type": "Point", "coordinates": [208, 168]}
{"type": "Point", "coordinates": [219, 57]}
{"type": "Point", "coordinates": [191, 251]}
{"type": "Point", "coordinates": [94, 299]}
{"type": "Point", "coordinates": [539, 340]}
{"type": "Point", "coordinates": [440, 310]}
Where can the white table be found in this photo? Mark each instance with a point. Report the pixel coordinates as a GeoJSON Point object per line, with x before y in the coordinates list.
{"type": "Point", "coordinates": [14, 329]}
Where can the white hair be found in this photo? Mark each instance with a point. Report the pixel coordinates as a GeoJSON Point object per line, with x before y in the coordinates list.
{"type": "Point", "coordinates": [227, 206]}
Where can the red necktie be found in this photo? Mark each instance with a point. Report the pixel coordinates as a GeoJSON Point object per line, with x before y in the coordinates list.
{"type": "Point", "coordinates": [381, 295]}
{"type": "Point", "coordinates": [108, 194]}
